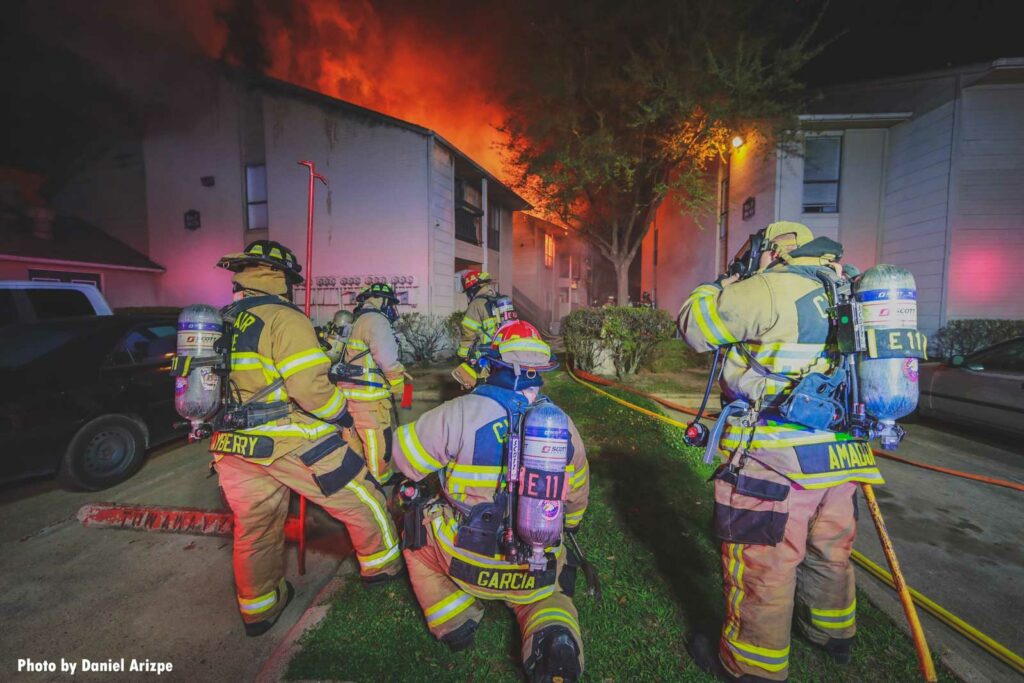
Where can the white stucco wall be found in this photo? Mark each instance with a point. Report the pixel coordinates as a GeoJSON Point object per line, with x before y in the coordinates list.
{"type": "Point", "coordinates": [372, 217]}
{"type": "Point", "coordinates": [441, 230]}
{"type": "Point", "coordinates": [860, 195]}
{"type": "Point", "coordinates": [198, 137]}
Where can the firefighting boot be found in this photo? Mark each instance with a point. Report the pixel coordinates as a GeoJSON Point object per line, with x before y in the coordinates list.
{"type": "Point", "coordinates": [839, 649]}
{"type": "Point", "coordinates": [555, 657]}
{"type": "Point", "coordinates": [462, 637]}
{"type": "Point", "coordinates": [258, 628]}
{"type": "Point", "coordinates": [380, 579]}
{"type": "Point", "coordinates": [705, 656]}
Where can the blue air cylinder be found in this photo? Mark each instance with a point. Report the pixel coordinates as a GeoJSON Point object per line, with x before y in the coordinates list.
{"type": "Point", "coordinates": [197, 395]}
{"type": "Point", "coordinates": [887, 296]}
{"type": "Point", "coordinates": [542, 486]}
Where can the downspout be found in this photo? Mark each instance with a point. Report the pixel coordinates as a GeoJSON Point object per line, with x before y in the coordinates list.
{"type": "Point", "coordinates": [951, 205]}
{"type": "Point", "coordinates": [483, 221]}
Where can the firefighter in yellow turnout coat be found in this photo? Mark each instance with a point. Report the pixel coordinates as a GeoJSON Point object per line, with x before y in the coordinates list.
{"type": "Point", "coordinates": [459, 563]}
{"type": "Point", "coordinates": [479, 325]}
{"type": "Point", "coordinates": [785, 503]}
{"type": "Point", "coordinates": [371, 374]}
{"type": "Point", "coordinates": [275, 352]}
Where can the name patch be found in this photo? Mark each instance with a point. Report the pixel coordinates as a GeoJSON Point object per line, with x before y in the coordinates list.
{"type": "Point", "coordinates": [245, 445]}
{"type": "Point", "coordinates": [834, 457]}
{"type": "Point", "coordinates": [502, 579]}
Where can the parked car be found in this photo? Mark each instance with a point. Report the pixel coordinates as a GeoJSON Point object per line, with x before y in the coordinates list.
{"type": "Point", "coordinates": [85, 397]}
{"type": "Point", "coordinates": [29, 301]}
{"type": "Point", "coordinates": [985, 388]}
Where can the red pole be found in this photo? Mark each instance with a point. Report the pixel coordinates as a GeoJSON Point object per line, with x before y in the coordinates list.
{"type": "Point", "coordinates": [307, 308]}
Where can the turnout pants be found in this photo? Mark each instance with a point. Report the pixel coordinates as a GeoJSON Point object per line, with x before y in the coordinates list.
{"type": "Point", "coordinates": [374, 429]}
{"type": "Point", "coordinates": [258, 496]}
{"type": "Point", "coordinates": [808, 570]}
{"type": "Point", "coordinates": [446, 606]}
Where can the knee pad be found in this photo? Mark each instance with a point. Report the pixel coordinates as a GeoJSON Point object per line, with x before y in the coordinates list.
{"type": "Point", "coordinates": [462, 637]}
{"type": "Point", "coordinates": [555, 657]}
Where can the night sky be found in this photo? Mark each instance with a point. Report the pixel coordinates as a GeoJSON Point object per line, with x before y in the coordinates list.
{"type": "Point", "coordinates": [59, 105]}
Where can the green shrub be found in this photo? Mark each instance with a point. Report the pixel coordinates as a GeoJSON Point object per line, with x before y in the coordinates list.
{"type": "Point", "coordinates": [423, 338]}
{"type": "Point", "coordinates": [675, 355]}
{"type": "Point", "coordinates": [454, 323]}
{"type": "Point", "coordinates": [626, 335]}
{"type": "Point", "coordinates": [631, 334]}
{"type": "Point", "coordinates": [581, 331]}
{"type": "Point", "coordinates": [961, 337]}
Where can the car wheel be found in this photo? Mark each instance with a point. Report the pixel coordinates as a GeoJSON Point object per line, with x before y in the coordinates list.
{"type": "Point", "coordinates": [104, 452]}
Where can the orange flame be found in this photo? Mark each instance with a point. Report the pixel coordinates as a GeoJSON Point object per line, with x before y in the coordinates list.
{"type": "Point", "coordinates": [405, 66]}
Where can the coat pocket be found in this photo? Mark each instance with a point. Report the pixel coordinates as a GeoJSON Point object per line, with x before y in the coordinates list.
{"type": "Point", "coordinates": [751, 505]}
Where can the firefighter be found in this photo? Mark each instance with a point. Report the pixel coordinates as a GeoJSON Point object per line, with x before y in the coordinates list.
{"type": "Point", "coordinates": [278, 366]}
{"type": "Point", "coordinates": [372, 375]}
{"type": "Point", "coordinates": [785, 506]}
{"type": "Point", "coordinates": [464, 439]}
{"type": "Point", "coordinates": [479, 324]}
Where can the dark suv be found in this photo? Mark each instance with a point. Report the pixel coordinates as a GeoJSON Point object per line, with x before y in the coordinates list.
{"type": "Point", "coordinates": [85, 397]}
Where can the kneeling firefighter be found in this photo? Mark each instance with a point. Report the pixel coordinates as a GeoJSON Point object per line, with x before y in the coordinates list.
{"type": "Point", "coordinates": [370, 374]}
{"type": "Point", "coordinates": [480, 322]}
{"type": "Point", "coordinates": [793, 444]}
{"type": "Point", "coordinates": [278, 431]}
{"type": "Point", "coordinates": [513, 475]}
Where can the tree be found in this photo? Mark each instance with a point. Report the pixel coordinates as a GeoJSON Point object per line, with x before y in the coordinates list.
{"type": "Point", "coordinates": [620, 103]}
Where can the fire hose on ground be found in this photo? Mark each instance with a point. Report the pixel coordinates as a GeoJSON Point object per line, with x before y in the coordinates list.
{"type": "Point", "coordinates": [908, 596]}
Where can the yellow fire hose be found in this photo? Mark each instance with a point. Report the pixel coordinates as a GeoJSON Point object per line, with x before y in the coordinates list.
{"type": "Point", "coordinates": [908, 596]}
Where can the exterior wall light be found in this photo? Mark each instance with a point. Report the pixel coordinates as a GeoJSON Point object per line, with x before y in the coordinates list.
{"type": "Point", "coordinates": [737, 142]}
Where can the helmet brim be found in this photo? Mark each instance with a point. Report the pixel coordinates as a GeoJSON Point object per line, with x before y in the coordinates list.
{"type": "Point", "coordinates": [236, 263]}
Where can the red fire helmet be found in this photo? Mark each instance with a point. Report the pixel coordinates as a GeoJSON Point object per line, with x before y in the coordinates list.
{"type": "Point", "coordinates": [475, 278]}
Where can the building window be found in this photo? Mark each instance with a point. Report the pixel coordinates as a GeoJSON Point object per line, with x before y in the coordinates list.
{"type": "Point", "coordinates": [467, 213]}
{"type": "Point", "coordinates": [494, 228]}
{"type": "Point", "coordinates": [257, 217]}
{"type": "Point", "coordinates": [821, 174]}
{"type": "Point", "coordinates": [549, 251]}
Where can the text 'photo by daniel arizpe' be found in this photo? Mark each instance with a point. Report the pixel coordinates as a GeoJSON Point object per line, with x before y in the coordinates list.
{"type": "Point", "coordinates": [71, 667]}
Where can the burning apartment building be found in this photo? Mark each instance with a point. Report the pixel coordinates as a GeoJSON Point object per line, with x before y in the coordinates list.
{"type": "Point", "coordinates": [217, 168]}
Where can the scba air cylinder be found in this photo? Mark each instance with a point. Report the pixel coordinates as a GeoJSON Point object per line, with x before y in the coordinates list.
{"type": "Point", "coordinates": [888, 371]}
{"type": "Point", "coordinates": [542, 486]}
{"type": "Point", "coordinates": [197, 394]}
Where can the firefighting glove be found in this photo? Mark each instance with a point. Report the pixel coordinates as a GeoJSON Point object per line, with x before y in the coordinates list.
{"type": "Point", "coordinates": [345, 420]}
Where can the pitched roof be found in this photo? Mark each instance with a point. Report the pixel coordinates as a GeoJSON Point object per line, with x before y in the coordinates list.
{"type": "Point", "coordinates": [73, 241]}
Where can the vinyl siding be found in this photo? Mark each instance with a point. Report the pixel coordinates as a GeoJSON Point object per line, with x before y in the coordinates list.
{"type": "Point", "coordinates": [915, 214]}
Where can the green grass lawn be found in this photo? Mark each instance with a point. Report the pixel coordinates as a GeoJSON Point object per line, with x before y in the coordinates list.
{"type": "Point", "coordinates": [648, 532]}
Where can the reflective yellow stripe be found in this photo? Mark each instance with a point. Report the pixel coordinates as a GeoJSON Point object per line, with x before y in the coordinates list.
{"type": "Point", "coordinates": [735, 568]}
{"type": "Point", "coordinates": [824, 480]}
{"type": "Point", "coordinates": [573, 518]}
{"type": "Point", "coordinates": [703, 307]}
{"type": "Point", "coordinates": [548, 616]}
{"type": "Point", "coordinates": [580, 478]}
{"type": "Point", "coordinates": [528, 345]}
{"type": "Point", "coordinates": [335, 404]}
{"type": "Point", "coordinates": [452, 606]}
{"type": "Point", "coordinates": [301, 361]}
{"type": "Point", "coordinates": [379, 559]}
{"type": "Point", "coordinates": [315, 430]}
{"type": "Point", "coordinates": [262, 603]}
{"type": "Point", "coordinates": [379, 514]}
{"type": "Point", "coordinates": [471, 324]}
{"type": "Point", "coordinates": [372, 454]}
{"type": "Point", "coordinates": [419, 458]}
{"type": "Point", "coordinates": [761, 657]}
{"type": "Point", "coordinates": [835, 619]}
